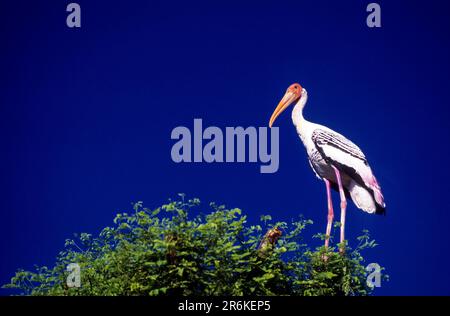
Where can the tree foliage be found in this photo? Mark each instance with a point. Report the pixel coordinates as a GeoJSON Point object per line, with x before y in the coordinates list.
{"type": "Point", "coordinates": [167, 252]}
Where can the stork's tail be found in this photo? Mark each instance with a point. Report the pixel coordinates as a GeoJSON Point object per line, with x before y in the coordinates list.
{"type": "Point", "coordinates": [369, 199]}
{"type": "Point", "coordinates": [378, 196]}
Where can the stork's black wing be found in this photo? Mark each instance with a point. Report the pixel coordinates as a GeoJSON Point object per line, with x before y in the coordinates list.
{"type": "Point", "coordinates": [325, 141]}
{"type": "Point", "coordinates": [348, 158]}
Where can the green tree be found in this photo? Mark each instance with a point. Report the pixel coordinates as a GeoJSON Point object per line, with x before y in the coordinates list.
{"type": "Point", "coordinates": [167, 252]}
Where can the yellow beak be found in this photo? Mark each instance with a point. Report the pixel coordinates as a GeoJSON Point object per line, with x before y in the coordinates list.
{"type": "Point", "coordinates": [287, 100]}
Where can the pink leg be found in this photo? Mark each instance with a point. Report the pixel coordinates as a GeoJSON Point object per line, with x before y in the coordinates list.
{"type": "Point", "coordinates": [330, 213]}
{"type": "Point", "coordinates": [343, 203]}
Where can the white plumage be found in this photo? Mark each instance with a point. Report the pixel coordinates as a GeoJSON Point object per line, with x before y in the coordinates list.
{"type": "Point", "coordinates": [334, 159]}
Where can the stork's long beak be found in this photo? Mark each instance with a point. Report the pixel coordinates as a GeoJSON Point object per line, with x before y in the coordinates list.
{"type": "Point", "coordinates": [287, 100]}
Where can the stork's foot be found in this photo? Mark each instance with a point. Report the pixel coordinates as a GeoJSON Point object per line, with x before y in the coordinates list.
{"type": "Point", "coordinates": [327, 241]}
{"type": "Point", "coordinates": [325, 255]}
{"type": "Point", "coordinates": [342, 247]}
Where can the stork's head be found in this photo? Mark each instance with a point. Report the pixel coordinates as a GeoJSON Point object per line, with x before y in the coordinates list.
{"type": "Point", "coordinates": [293, 94]}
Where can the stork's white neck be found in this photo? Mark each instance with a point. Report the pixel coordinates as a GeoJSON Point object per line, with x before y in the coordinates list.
{"type": "Point", "coordinates": [297, 114]}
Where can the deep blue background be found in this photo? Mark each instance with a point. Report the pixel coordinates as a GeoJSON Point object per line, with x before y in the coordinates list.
{"type": "Point", "coordinates": [86, 116]}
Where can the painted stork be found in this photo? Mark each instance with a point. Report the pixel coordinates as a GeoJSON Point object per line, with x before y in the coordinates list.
{"type": "Point", "coordinates": [334, 159]}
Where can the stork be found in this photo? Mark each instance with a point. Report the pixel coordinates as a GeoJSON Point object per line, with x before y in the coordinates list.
{"type": "Point", "coordinates": [335, 160]}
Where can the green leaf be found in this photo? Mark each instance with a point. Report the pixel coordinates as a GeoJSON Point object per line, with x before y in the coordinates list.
{"type": "Point", "coordinates": [213, 253]}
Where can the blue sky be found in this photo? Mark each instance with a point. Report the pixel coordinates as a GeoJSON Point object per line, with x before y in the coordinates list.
{"type": "Point", "coordinates": [86, 116]}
